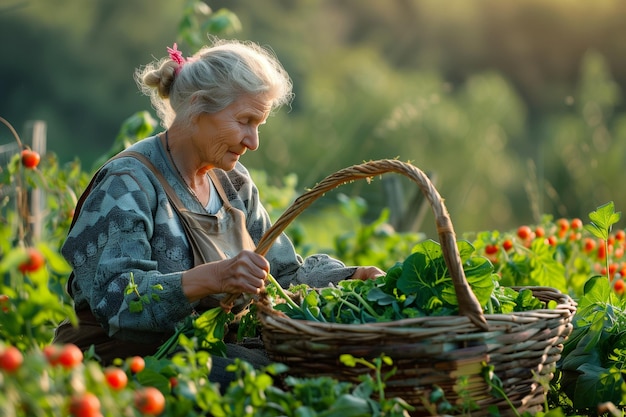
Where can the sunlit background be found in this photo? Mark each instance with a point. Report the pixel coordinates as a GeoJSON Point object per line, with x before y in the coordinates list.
{"type": "Point", "coordinates": [515, 108]}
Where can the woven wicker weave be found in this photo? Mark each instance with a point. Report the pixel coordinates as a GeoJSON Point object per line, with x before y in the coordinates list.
{"type": "Point", "coordinates": [450, 351]}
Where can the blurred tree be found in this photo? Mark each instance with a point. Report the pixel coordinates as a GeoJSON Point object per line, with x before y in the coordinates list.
{"type": "Point", "coordinates": [583, 161]}
{"type": "Point", "coordinates": [487, 94]}
{"type": "Point", "coordinates": [71, 64]}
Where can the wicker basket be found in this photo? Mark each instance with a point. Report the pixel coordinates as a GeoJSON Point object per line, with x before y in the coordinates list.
{"type": "Point", "coordinates": [449, 352]}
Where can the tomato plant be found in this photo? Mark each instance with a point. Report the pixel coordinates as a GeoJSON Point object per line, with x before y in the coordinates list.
{"type": "Point", "coordinates": [561, 253]}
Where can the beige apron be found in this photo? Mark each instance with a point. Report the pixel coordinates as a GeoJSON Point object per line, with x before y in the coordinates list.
{"type": "Point", "coordinates": [211, 238]}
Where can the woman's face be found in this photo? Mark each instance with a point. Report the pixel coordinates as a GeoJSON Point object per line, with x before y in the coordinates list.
{"type": "Point", "coordinates": [221, 138]}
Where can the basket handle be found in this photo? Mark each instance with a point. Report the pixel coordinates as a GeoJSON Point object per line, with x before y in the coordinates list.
{"type": "Point", "coordinates": [468, 303]}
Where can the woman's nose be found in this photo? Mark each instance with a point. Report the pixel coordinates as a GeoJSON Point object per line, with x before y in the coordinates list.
{"type": "Point", "coordinates": [251, 140]}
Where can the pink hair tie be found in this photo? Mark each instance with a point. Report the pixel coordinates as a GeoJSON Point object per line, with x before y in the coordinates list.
{"type": "Point", "coordinates": [176, 56]}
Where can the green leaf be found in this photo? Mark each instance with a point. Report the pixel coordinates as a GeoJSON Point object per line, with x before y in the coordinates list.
{"type": "Point", "coordinates": [378, 296]}
{"type": "Point", "coordinates": [425, 274]}
{"type": "Point", "coordinates": [348, 360]}
{"type": "Point", "coordinates": [466, 250]}
{"type": "Point", "coordinates": [349, 405]}
{"type": "Point", "coordinates": [311, 299]}
{"type": "Point", "coordinates": [602, 219]}
{"type": "Point", "coordinates": [596, 385]}
{"type": "Point", "coordinates": [222, 21]}
{"type": "Point", "coordinates": [149, 377]}
{"type": "Point", "coordinates": [545, 270]}
{"type": "Point", "coordinates": [580, 356]}
{"type": "Point", "coordinates": [597, 291]}
{"type": "Point", "coordinates": [479, 275]}
{"type": "Point", "coordinates": [135, 306]}
{"type": "Point", "coordinates": [305, 411]}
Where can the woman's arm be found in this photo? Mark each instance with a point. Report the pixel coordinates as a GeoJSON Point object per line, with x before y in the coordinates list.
{"type": "Point", "coordinates": [125, 248]}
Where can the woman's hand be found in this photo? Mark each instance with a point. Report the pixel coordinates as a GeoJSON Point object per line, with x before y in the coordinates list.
{"type": "Point", "coordinates": [367, 272]}
{"type": "Point", "coordinates": [245, 273]}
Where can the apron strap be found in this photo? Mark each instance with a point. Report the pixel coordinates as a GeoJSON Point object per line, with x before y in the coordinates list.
{"type": "Point", "coordinates": [220, 189]}
{"type": "Point", "coordinates": [166, 185]}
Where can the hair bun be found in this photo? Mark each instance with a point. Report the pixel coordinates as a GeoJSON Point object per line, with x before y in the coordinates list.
{"type": "Point", "coordinates": [162, 78]}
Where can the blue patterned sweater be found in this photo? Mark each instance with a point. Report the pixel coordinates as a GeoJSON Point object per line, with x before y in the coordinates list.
{"type": "Point", "coordinates": [127, 225]}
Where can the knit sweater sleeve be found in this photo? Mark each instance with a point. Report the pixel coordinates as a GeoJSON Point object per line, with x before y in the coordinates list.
{"type": "Point", "coordinates": [287, 266]}
{"type": "Point", "coordinates": [127, 249]}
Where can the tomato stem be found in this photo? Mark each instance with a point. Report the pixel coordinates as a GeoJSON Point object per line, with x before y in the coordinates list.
{"type": "Point", "coordinates": [15, 135]}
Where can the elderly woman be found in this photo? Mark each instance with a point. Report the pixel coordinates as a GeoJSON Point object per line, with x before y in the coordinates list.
{"type": "Point", "coordinates": [132, 223]}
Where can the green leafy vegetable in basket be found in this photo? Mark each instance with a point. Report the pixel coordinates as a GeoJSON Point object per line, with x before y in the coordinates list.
{"type": "Point", "coordinates": [418, 287]}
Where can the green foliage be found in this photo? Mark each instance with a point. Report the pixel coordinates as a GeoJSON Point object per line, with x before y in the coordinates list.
{"type": "Point", "coordinates": [206, 330]}
{"type": "Point", "coordinates": [602, 220]}
{"type": "Point", "coordinates": [136, 127]}
{"type": "Point", "coordinates": [425, 274]}
{"type": "Point", "coordinates": [366, 88]}
{"type": "Point", "coordinates": [419, 286]}
{"type": "Point", "coordinates": [136, 305]}
{"type": "Point", "coordinates": [199, 19]}
{"type": "Point", "coordinates": [35, 301]}
{"type": "Point", "coordinates": [592, 368]}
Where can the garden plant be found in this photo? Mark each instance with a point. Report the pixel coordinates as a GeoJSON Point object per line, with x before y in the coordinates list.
{"type": "Point", "coordinates": [582, 258]}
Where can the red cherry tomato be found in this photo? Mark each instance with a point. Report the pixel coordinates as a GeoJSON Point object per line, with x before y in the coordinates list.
{"type": "Point", "coordinates": [149, 401]}
{"type": "Point", "coordinates": [116, 378]}
{"type": "Point", "coordinates": [136, 364]}
{"type": "Point", "coordinates": [589, 244]}
{"type": "Point", "coordinates": [34, 261]}
{"type": "Point", "coordinates": [85, 405]}
{"type": "Point", "coordinates": [524, 232]}
{"type": "Point", "coordinates": [52, 352]}
{"type": "Point", "coordinates": [11, 359]}
{"type": "Point", "coordinates": [30, 158]}
{"type": "Point", "coordinates": [576, 224]}
{"type": "Point", "coordinates": [70, 356]}
{"type": "Point", "coordinates": [563, 224]}
{"type": "Point", "coordinates": [491, 249]}
{"type": "Point", "coordinates": [5, 303]}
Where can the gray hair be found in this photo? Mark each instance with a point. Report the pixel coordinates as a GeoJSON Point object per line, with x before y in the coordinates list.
{"type": "Point", "coordinates": [212, 79]}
